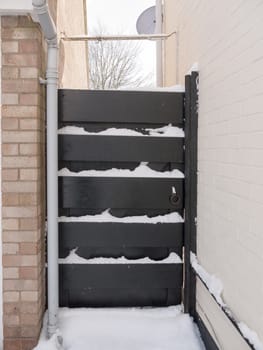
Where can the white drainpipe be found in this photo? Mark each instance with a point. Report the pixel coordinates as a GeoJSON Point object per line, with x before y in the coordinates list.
{"type": "Point", "coordinates": [159, 44]}
{"type": "Point", "coordinates": [49, 30]}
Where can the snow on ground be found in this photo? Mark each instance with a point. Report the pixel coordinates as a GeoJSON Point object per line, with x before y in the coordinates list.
{"type": "Point", "coordinates": [74, 258]}
{"type": "Point", "coordinates": [124, 329]}
{"type": "Point", "coordinates": [165, 131]}
{"type": "Point", "coordinates": [141, 171]}
{"type": "Point", "coordinates": [107, 217]}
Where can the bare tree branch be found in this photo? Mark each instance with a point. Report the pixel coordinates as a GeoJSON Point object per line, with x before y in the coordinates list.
{"type": "Point", "coordinates": [113, 64]}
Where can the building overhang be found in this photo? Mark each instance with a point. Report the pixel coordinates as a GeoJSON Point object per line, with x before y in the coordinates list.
{"type": "Point", "coordinates": [17, 8]}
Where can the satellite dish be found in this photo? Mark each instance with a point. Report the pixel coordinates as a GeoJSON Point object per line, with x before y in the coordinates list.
{"type": "Point", "coordinates": [146, 22]}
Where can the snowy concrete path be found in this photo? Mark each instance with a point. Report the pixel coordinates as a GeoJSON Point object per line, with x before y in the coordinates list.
{"type": "Point", "coordinates": [125, 329]}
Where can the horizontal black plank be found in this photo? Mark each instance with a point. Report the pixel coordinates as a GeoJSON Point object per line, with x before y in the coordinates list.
{"type": "Point", "coordinates": [119, 239]}
{"type": "Point", "coordinates": [75, 234]}
{"type": "Point", "coordinates": [120, 285]}
{"type": "Point", "coordinates": [103, 193]}
{"type": "Point", "coordinates": [119, 297]}
{"type": "Point", "coordinates": [120, 106]}
{"type": "Point", "coordinates": [120, 148]}
{"type": "Point", "coordinates": [85, 276]}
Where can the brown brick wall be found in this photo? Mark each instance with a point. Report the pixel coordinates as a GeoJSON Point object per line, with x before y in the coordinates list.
{"type": "Point", "coordinates": [23, 175]}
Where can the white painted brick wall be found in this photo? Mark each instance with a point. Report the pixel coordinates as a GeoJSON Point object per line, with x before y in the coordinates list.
{"type": "Point", "coordinates": [226, 39]}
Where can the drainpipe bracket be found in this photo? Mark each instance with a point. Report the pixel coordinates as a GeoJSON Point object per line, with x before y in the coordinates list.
{"type": "Point", "coordinates": [42, 81]}
{"type": "Point", "coordinates": [52, 42]}
{"type": "Point", "coordinates": [41, 7]}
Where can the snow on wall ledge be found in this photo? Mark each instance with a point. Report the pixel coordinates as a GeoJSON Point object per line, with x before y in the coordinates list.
{"type": "Point", "coordinates": [73, 258]}
{"type": "Point", "coordinates": [107, 217]}
{"type": "Point", "coordinates": [194, 68]}
{"type": "Point", "coordinates": [165, 131]}
{"type": "Point", "coordinates": [172, 88]}
{"type": "Point", "coordinates": [250, 335]}
{"type": "Point", "coordinates": [214, 284]}
{"type": "Point", "coordinates": [215, 287]}
{"type": "Point", "coordinates": [141, 171]}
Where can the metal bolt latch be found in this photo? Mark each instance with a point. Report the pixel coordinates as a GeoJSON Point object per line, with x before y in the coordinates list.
{"type": "Point", "coordinates": [174, 198]}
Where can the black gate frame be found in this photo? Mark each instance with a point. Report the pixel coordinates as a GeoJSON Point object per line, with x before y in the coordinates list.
{"type": "Point", "coordinates": [191, 143]}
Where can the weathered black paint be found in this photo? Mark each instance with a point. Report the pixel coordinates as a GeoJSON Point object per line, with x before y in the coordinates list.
{"type": "Point", "coordinates": [191, 125]}
{"type": "Point", "coordinates": [112, 297]}
{"type": "Point", "coordinates": [121, 148]}
{"type": "Point", "coordinates": [132, 285]}
{"type": "Point", "coordinates": [131, 240]}
{"type": "Point", "coordinates": [114, 192]}
{"type": "Point", "coordinates": [120, 106]}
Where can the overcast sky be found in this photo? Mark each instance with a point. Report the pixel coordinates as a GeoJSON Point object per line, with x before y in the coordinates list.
{"type": "Point", "coordinates": [120, 16]}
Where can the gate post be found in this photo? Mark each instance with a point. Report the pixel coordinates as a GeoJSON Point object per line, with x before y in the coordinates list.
{"type": "Point", "coordinates": [191, 126]}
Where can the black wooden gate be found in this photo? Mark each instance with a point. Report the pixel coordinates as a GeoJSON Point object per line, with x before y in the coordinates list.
{"type": "Point", "coordinates": [110, 283]}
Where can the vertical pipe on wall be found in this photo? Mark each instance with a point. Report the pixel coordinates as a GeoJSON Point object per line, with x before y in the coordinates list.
{"type": "Point", "coordinates": [49, 30]}
{"type": "Point", "coordinates": [1, 254]}
{"type": "Point", "coordinates": [177, 78]}
{"type": "Point", "coordinates": [52, 189]}
{"type": "Point", "coordinates": [159, 43]}
{"type": "Point", "coordinates": [85, 43]}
